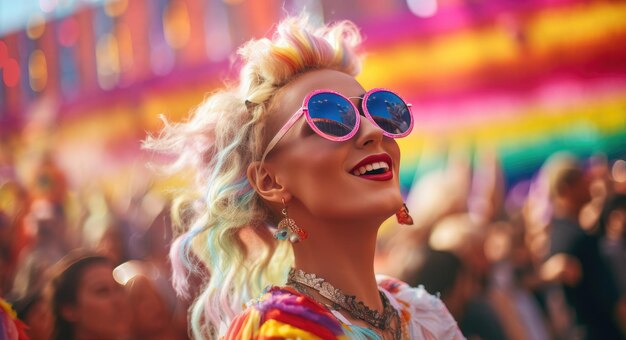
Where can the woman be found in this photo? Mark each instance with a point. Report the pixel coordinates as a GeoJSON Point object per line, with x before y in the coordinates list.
{"type": "Point", "coordinates": [85, 300]}
{"type": "Point", "coordinates": [293, 170]}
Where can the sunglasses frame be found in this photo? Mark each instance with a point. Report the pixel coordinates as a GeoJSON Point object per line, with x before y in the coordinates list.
{"type": "Point", "coordinates": [304, 110]}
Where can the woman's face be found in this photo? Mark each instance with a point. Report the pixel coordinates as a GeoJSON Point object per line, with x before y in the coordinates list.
{"type": "Point", "coordinates": [101, 309]}
{"type": "Point", "coordinates": [318, 173]}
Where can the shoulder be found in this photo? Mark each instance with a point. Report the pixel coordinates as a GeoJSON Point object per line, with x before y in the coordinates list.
{"type": "Point", "coordinates": [425, 313]}
{"type": "Point", "coordinates": [565, 228]}
{"type": "Point", "coordinates": [283, 313]}
{"type": "Point", "coordinates": [413, 296]}
{"type": "Point", "coordinates": [567, 237]}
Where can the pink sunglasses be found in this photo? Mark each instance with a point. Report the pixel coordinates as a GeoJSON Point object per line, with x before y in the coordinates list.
{"type": "Point", "coordinates": [334, 117]}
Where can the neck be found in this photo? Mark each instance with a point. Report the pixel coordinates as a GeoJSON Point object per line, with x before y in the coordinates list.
{"type": "Point", "coordinates": [343, 255]}
{"type": "Point", "coordinates": [566, 209]}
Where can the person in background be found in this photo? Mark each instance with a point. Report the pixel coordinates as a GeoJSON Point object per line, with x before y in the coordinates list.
{"type": "Point", "coordinates": [156, 312]}
{"type": "Point", "coordinates": [464, 237]}
{"type": "Point", "coordinates": [34, 312]}
{"type": "Point", "coordinates": [85, 301]}
{"type": "Point", "coordinates": [14, 211]}
{"type": "Point", "coordinates": [46, 227]}
{"type": "Point", "coordinates": [612, 232]}
{"type": "Point", "coordinates": [511, 279]}
{"type": "Point", "coordinates": [443, 273]}
{"type": "Point", "coordinates": [152, 317]}
{"type": "Point", "coordinates": [574, 260]}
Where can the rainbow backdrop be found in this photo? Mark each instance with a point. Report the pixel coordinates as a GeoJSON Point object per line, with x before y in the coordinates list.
{"type": "Point", "coordinates": [525, 85]}
{"type": "Point", "coordinates": [523, 78]}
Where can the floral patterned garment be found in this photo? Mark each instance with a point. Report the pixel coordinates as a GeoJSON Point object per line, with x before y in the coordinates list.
{"type": "Point", "coordinates": [284, 313]}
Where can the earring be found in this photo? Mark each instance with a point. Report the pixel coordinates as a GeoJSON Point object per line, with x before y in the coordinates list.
{"type": "Point", "coordinates": [403, 215]}
{"type": "Point", "coordinates": [287, 228]}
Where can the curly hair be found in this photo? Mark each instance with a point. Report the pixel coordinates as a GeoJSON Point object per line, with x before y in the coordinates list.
{"type": "Point", "coordinates": [224, 223]}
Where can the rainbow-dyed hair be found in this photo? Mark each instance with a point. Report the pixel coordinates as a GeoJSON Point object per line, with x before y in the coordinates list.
{"type": "Point", "coordinates": [224, 223]}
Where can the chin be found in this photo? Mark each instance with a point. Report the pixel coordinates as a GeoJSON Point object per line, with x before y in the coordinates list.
{"type": "Point", "coordinates": [395, 204]}
{"type": "Point", "coordinates": [382, 205]}
{"type": "Point", "coordinates": [366, 208]}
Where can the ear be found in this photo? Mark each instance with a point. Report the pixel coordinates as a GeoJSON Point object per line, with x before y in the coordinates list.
{"type": "Point", "coordinates": [266, 183]}
{"type": "Point", "coordinates": [69, 313]}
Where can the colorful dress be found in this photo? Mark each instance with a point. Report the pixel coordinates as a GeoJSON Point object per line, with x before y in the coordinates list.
{"type": "Point", "coordinates": [284, 313]}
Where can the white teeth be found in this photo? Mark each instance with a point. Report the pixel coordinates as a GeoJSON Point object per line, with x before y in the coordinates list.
{"type": "Point", "coordinates": [369, 167]}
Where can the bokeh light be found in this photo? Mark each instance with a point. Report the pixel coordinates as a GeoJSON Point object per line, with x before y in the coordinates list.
{"type": "Point", "coordinates": [48, 6]}
{"type": "Point", "coordinates": [176, 24]}
{"type": "Point", "coordinates": [37, 70]}
{"type": "Point", "coordinates": [422, 8]}
{"type": "Point", "coordinates": [11, 72]}
{"type": "Point", "coordinates": [618, 171]}
{"type": "Point", "coordinates": [36, 26]}
{"type": "Point", "coordinates": [126, 48]}
{"type": "Point", "coordinates": [107, 61]}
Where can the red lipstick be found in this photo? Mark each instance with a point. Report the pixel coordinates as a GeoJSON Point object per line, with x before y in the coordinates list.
{"type": "Point", "coordinates": [384, 176]}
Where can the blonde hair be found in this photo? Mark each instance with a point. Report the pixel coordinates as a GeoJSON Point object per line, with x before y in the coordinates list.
{"type": "Point", "coordinates": [220, 213]}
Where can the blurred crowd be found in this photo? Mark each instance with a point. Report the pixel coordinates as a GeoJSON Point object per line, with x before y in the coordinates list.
{"type": "Point", "coordinates": [84, 262]}
{"type": "Point", "coordinates": [543, 259]}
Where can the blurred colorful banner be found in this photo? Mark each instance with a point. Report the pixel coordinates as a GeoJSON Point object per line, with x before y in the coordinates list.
{"type": "Point", "coordinates": [520, 78]}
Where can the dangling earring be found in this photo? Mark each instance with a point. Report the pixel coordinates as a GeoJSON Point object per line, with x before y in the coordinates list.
{"type": "Point", "coordinates": [403, 215]}
{"type": "Point", "coordinates": [288, 230]}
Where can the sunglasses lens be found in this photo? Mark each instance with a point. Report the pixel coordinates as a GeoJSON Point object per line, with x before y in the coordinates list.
{"type": "Point", "coordinates": [332, 114]}
{"type": "Point", "coordinates": [389, 111]}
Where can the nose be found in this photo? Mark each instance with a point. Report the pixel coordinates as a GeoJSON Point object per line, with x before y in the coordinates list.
{"type": "Point", "coordinates": [368, 133]}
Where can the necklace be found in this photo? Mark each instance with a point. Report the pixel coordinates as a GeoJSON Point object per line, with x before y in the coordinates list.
{"type": "Point", "coordinates": [357, 309]}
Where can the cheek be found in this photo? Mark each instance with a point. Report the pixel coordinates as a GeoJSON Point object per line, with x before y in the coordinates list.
{"type": "Point", "coordinates": [92, 313]}
{"type": "Point", "coordinates": [316, 174]}
{"type": "Point", "coordinates": [94, 306]}
{"type": "Point", "coordinates": [313, 172]}
{"type": "Point", "coordinates": [314, 167]}
{"type": "Point", "coordinates": [103, 313]}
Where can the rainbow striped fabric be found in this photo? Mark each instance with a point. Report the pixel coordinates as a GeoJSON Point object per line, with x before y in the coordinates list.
{"type": "Point", "coordinates": [284, 313]}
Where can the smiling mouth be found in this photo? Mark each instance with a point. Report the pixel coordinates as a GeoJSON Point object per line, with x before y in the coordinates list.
{"type": "Point", "coordinates": [376, 167]}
